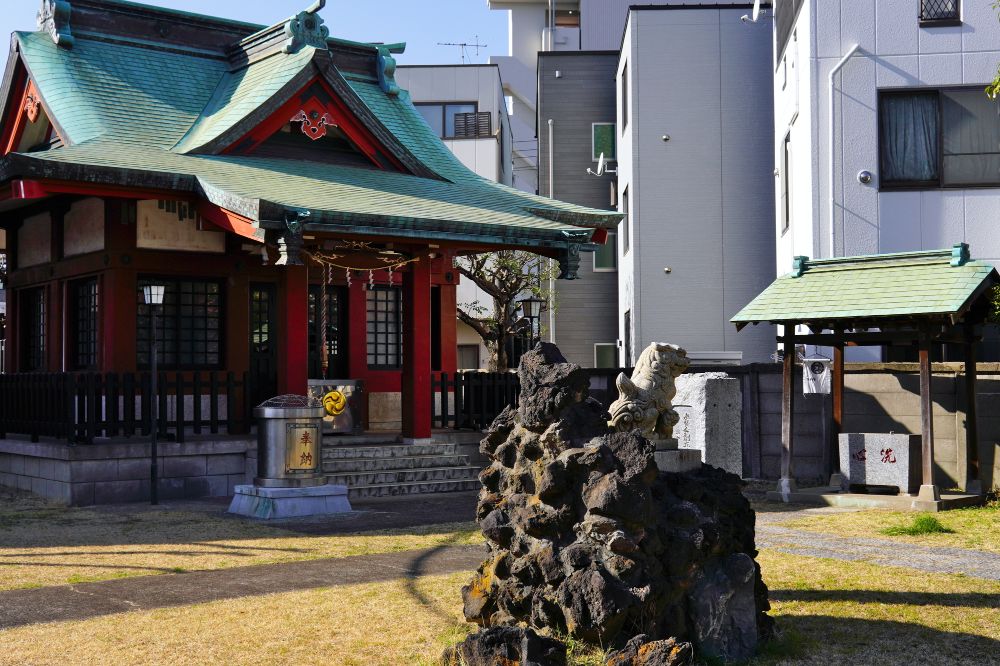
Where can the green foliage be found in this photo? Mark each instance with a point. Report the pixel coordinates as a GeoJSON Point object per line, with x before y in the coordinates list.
{"type": "Point", "coordinates": [994, 314]}
{"type": "Point", "coordinates": [993, 90]}
{"type": "Point", "coordinates": [923, 523]}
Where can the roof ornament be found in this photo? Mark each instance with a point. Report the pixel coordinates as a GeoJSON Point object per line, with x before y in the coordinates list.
{"type": "Point", "coordinates": [306, 29]}
{"type": "Point", "coordinates": [387, 71]}
{"type": "Point", "coordinates": [53, 18]}
{"type": "Point", "coordinates": [799, 266]}
{"type": "Point", "coordinates": [960, 255]}
{"type": "Point", "coordinates": [569, 262]}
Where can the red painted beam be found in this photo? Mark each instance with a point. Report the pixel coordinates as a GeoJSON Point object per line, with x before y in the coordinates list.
{"type": "Point", "coordinates": [37, 189]}
{"type": "Point", "coordinates": [600, 236]}
{"type": "Point", "coordinates": [230, 221]}
{"type": "Point", "coordinates": [417, 351]}
{"type": "Point", "coordinates": [293, 325]}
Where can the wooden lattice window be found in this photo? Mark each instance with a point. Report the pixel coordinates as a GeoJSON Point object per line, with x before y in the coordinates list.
{"type": "Point", "coordinates": [33, 320]}
{"type": "Point", "coordinates": [188, 324]}
{"type": "Point", "coordinates": [384, 324]}
{"type": "Point", "coordinates": [84, 316]}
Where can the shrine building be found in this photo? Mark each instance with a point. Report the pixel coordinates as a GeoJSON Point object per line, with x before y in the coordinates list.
{"type": "Point", "coordinates": [257, 173]}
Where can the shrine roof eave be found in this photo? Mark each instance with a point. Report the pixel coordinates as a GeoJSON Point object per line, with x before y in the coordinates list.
{"type": "Point", "coordinates": [266, 214]}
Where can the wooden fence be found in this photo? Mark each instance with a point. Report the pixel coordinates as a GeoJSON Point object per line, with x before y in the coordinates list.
{"type": "Point", "coordinates": [80, 407]}
{"type": "Point", "coordinates": [471, 400]}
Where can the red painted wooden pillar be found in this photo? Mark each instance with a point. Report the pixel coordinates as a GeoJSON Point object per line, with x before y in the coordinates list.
{"type": "Point", "coordinates": [293, 327]}
{"type": "Point", "coordinates": [449, 328]}
{"type": "Point", "coordinates": [417, 352]}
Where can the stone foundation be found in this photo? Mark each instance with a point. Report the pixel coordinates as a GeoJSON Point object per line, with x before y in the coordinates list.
{"type": "Point", "coordinates": [118, 472]}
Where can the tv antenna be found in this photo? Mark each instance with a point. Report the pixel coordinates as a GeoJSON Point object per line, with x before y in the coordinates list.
{"type": "Point", "coordinates": [465, 46]}
{"type": "Point", "coordinates": [602, 167]}
{"type": "Point", "coordinates": [755, 16]}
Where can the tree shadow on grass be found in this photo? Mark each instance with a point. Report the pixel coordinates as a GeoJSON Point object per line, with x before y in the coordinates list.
{"type": "Point", "coordinates": [423, 565]}
{"type": "Point", "coordinates": [950, 599]}
{"type": "Point", "coordinates": [824, 639]}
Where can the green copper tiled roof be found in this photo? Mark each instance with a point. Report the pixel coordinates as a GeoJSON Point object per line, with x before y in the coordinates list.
{"type": "Point", "coordinates": [880, 286]}
{"type": "Point", "coordinates": [240, 92]}
{"type": "Point", "coordinates": [125, 109]}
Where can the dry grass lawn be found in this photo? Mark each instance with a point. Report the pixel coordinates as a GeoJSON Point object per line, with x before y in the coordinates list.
{"type": "Point", "coordinates": [45, 545]}
{"type": "Point", "coordinates": [976, 529]}
{"type": "Point", "coordinates": [830, 612]}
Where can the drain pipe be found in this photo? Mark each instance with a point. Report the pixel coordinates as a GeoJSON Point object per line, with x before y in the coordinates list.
{"type": "Point", "coordinates": [832, 137]}
{"type": "Point", "coordinates": [552, 271]}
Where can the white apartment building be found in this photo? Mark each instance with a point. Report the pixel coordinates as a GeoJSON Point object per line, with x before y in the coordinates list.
{"type": "Point", "coordinates": [910, 158]}
{"type": "Point", "coordinates": [465, 104]}
{"type": "Point", "coordinates": [913, 159]}
{"type": "Point", "coordinates": [695, 180]}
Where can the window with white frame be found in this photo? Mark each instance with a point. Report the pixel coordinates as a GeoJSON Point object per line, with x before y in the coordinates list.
{"type": "Point", "coordinates": [602, 141]}
{"type": "Point", "coordinates": [939, 138]}
{"type": "Point", "coordinates": [606, 256]}
{"type": "Point", "coordinates": [606, 355]}
{"type": "Point", "coordinates": [624, 97]}
{"type": "Point", "coordinates": [625, 222]}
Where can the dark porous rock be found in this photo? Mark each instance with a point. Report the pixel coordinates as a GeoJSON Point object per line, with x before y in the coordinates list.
{"type": "Point", "coordinates": [587, 537]}
{"type": "Point", "coordinates": [506, 646]}
{"type": "Point", "coordinates": [641, 651]}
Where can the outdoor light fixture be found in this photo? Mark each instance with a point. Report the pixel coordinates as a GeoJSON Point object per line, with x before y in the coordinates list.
{"type": "Point", "coordinates": [531, 307]}
{"type": "Point", "coordinates": [153, 295]}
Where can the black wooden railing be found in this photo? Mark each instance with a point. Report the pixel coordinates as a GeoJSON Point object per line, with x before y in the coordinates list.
{"type": "Point", "coordinates": [80, 407]}
{"type": "Point", "coordinates": [471, 400]}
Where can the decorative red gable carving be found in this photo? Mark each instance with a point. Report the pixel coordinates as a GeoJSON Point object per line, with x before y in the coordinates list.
{"type": "Point", "coordinates": [32, 105]}
{"type": "Point", "coordinates": [25, 109]}
{"type": "Point", "coordinates": [318, 108]}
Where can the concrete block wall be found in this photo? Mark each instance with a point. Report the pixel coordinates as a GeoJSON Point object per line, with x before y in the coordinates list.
{"type": "Point", "coordinates": [878, 398]}
{"type": "Point", "coordinates": [111, 473]}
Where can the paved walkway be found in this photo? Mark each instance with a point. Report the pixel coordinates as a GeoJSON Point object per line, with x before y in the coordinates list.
{"type": "Point", "coordinates": [772, 534]}
{"type": "Point", "coordinates": [78, 602]}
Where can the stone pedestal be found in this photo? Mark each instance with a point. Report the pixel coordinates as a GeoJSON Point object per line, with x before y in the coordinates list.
{"type": "Point", "coordinates": [878, 459]}
{"type": "Point", "coordinates": [270, 503]}
{"type": "Point", "coordinates": [709, 405]}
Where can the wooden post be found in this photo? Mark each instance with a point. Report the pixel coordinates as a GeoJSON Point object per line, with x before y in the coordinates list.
{"type": "Point", "coordinates": [787, 482]}
{"type": "Point", "coordinates": [417, 352]}
{"type": "Point", "coordinates": [293, 318]}
{"type": "Point", "coordinates": [973, 484]}
{"type": "Point", "coordinates": [837, 424]}
{"type": "Point", "coordinates": [928, 491]}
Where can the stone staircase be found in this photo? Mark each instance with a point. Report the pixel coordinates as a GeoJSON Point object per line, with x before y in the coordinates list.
{"type": "Point", "coordinates": [378, 469]}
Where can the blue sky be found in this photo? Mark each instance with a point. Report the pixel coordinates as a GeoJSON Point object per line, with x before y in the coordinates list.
{"type": "Point", "coordinates": [419, 23]}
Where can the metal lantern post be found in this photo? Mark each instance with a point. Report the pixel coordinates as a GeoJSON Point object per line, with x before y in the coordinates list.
{"type": "Point", "coordinates": [153, 295]}
{"type": "Point", "coordinates": [531, 307]}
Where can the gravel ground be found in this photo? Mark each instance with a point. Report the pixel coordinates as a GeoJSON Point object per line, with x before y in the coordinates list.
{"type": "Point", "coordinates": [772, 534]}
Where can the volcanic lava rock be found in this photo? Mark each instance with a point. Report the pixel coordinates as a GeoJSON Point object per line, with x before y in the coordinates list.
{"type": "Point", "coordinates": [506, 646]}
{"type": "Point", "coordinates": [586, 537]}
{"type": "Point", "coordinates": [641, 651]}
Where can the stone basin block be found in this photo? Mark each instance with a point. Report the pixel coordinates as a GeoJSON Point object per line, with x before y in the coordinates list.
{"type": "Point", "coordinates": [879, 459]}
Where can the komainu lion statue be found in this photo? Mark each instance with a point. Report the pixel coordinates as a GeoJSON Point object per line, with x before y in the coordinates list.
{"type": "Point", "coordinates": [644, 400]}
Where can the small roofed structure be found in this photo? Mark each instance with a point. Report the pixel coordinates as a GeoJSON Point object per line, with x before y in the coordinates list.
{"type": "Point", "coordinates": [925, 298]}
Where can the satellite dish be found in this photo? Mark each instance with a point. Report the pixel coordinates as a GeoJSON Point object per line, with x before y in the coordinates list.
{"type": "Point", "coordinates": [602, 167]}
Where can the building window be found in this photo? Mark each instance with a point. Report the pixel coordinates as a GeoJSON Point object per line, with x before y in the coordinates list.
{"type": "Point", "coordinates": [606, 256]}
{"type": "Point", "coordinates": [940, 12]}
{"type": "Point", "coordinates": [602, 141]}
{"type": "Point", "coordinates": [605, 355]}
{"type": "Point", "coordinates": [786, 183]}
{"type": "Point", "coordinates": [84, 324]}
{"type": "Point", "coordinates": [468, 357]}
{"type": "Point", "coordinates": [785, 13]}
{"type": "Point", "coordinates": [624, 97]}
{"type": "Point", "coordinates": [188, 324]}
{"type": "Point", "coordinates": [385, 333]}
{"type": "Point", "coordinates": [457, 121]}
{"type": "Point", "coordinates": [939, 138]}
{"type": "Point", "coordinates": [32, 304]}
{"type": "Point", "coordinates": [628, 338]}
{"type": "Point", "coordinates": [625, 222]}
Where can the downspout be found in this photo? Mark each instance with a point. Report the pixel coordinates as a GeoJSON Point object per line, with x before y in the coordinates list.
{"type": "Point", "coordinates": [552, 271]}
{"type": "Point", "coordinates": [832, 140]}
{"type": "Point", "coordinates": [550, 38]}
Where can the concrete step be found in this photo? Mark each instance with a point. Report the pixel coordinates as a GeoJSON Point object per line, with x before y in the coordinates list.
{"type": "Point", "coordinates": [340, 465]}
{"type": "Point", "coordinates": [404, 476]}
{"type": "Point", "coordinates": [331, 452]}
{"type": "Point", "coordinates": [395, 489]}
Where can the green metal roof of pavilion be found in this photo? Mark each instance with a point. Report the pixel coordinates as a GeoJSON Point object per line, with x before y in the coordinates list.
{"type": "Point", "coordinates": [942, 283]}
{"type": "Point", "coordinates": [138, 108]}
